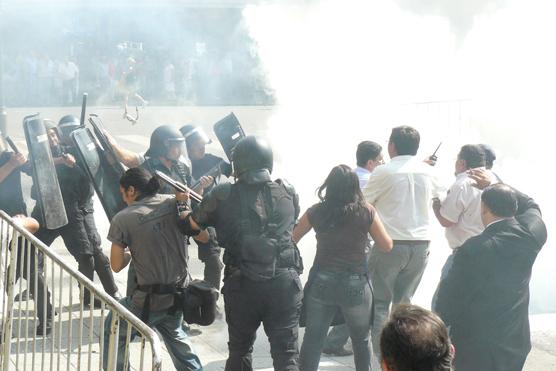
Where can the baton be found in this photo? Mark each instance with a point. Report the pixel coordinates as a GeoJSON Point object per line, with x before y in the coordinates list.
{"type": "Point", "coordinates": [12, 145]}
{"type": "Point", "coordinates": [83, 109]}
{"type": "Point", "coordinates": [180, 187]}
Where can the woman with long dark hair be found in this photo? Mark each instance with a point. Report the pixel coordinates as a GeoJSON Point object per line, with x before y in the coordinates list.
{"type": "Point", "coordinates": [339, 278]}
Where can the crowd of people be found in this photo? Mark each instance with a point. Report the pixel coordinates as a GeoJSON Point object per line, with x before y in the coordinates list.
{"type": "Point", "coordinates": [373, 230]}
{"type": "Point", "coordinates": [202, 78]}
{"type": "Point", "coordinates": [184, 55]}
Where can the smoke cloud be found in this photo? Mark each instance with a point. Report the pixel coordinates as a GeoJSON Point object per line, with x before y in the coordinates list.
{"type": "Point", "coordinates": [460, 72]}
{"type": "Point", "coordinates": [461, 14]}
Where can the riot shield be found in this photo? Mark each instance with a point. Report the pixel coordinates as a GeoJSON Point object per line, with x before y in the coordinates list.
{"type": "Point", "coordinates": [104, 173]}
{"type": "Point", "coordinates": [229, 132]}
{"type": "Point", "coordinates": [45, 178]}
{"type": "Point", "coordinates": [105, 145]}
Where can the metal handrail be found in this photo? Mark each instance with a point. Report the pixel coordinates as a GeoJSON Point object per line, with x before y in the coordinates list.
{"type": "Point", "coordinates": [122, 312]}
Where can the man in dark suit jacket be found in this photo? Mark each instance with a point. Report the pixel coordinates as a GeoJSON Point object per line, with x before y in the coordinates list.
{"type": "Point", "coordinates": [485, 297]}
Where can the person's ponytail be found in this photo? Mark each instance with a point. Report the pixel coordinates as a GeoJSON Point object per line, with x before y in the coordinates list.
{"type": "Point", "coordinates": [152, 186]}
{"type": "Point", "coordinates": [141, 180]}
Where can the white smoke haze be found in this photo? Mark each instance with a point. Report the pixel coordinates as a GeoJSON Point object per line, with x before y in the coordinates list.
{"type": "Point", "coordinates": [460, 72]}
{"type": "Point", "coordinates": [461, 14]}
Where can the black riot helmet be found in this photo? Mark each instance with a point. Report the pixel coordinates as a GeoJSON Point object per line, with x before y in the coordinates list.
{"type": "Point", "coordinates": [66, 125]}
{"type": "Point", "coordinates": [162, 138]}
{"type": "Point", "coordinates": [49, 124]}
{"type": "Point", "coordinates": [191, 133]}
{"type": "Point", "coordinates": [252, 160]}
{"type": "Point", "coordinates": [194, 137]}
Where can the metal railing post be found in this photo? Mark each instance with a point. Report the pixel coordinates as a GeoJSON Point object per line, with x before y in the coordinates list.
{"type": "Point", "coordinates": [8, 316]}
{"type": "Point", "coordinates": [23, 250]}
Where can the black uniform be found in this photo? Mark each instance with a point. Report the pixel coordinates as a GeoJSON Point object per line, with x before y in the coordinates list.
{"type": "Point", "coordinates": [179, 172]}
{"type": "Point", "coordinates": [80, 234]}
{"type": "Point", "coordinates": [209, 253]}
{"type": "Point", "coordinates": [12, 202]}
{"type": "Point", "coordinates": [254, 221]}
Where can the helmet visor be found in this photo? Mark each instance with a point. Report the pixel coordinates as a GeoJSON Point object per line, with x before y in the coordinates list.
{"type": "Point", "coordinates": [197, 134]}
{"type": "Point", "coordinates": [65, 130]}
{"type": "Point", "coordinates": [175, 148]}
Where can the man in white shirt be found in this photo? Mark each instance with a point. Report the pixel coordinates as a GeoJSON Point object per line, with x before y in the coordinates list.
{"type": "Point", "coordinates": [460, 211]}
{"type": "Point", "coordinates": [69, 74]}
{"type": "Point", "coordinates": [402, 192]}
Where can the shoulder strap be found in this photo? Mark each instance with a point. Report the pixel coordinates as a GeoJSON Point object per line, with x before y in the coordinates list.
{"type": "Point", "coordinates": [183, 172]}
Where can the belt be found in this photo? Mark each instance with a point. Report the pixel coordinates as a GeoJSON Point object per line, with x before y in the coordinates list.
{"type": "Point", "coordinates": [159, 289]}
{"type": "Point", "coordinates": [411, 242]}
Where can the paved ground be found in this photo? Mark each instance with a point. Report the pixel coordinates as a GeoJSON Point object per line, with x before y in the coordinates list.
{"type": "Point", "coordinates": [211, 344]}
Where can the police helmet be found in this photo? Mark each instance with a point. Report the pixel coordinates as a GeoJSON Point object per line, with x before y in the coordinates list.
{"type": "Point", "coordinates": [191, 133]}
{"type": "Point", "coordinates": [50, 124]}
{"type": "Point", "coordinates": [252, 153]}
{"type": "Point", "coordinates": [162, 138]}
{"type": "Point", "coordinates": [66, 126]}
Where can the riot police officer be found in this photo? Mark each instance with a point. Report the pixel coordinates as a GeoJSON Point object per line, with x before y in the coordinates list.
{"type": "Point", "coordinates": [201, 164]}
{"type": "Point", "coordinates": [254, 219]}
{"type": "Point", "coordinates": [80, 234]}
{"type": "Point", "coordinates": [167, 145]}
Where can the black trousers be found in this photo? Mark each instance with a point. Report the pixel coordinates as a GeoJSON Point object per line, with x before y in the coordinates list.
{"type": "Point", "coordinates": [477, 354]}
{"type": "Point", "coordinates": [100, 262]}
{"type": "Point", "coordinates": [82, 240]}
{"type": "Point", "coordinates": [209, 254]}
{"type": "Point", "coordinates": [276, 304]}
{"type": "Point", "coordinates": [26, 254]}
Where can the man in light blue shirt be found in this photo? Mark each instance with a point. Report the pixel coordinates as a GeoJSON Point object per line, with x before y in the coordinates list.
{"type": "Point", "coordinates": [369, 156]}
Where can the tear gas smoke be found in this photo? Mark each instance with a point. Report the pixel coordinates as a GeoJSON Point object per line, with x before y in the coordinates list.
{"type": "Point", "coordinates": [478, 72]}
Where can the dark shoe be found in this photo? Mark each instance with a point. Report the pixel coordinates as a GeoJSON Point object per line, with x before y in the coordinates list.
{"type": "Point", "coordinates": [44, 330]}
{"type": "Point", "coordinates": [337, 352]}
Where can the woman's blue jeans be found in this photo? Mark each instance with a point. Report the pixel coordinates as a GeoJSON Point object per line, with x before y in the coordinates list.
{"type": "Point", "coordinates": [328, 292]}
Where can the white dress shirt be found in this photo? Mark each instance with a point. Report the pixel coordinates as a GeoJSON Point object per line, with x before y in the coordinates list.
{"type": "Point", "coordinates": [462, 206]}
{"type": "Point", "coordinates": [363, 175]}
{"type": "Point", "coordinates": [402, 193]}
{"type": "Point", "coordinates": [68, 70]}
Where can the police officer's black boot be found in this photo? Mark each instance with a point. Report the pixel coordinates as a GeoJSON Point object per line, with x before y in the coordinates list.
{"type": "Point", "coordinates": [86, 266]}
{"type": "Point", "coordinates": [104, 272]}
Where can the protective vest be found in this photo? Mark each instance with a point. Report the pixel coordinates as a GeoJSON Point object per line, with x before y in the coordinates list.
{"type": "Point", "coordinates": [262, 242]}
